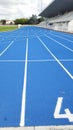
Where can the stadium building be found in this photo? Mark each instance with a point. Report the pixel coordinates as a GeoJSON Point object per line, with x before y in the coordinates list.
{"type": "Point", "coordinates": [59, 15]}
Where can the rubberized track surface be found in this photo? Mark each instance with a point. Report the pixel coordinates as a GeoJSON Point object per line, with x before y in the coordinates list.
{"type": "Point", "coordinates": [36, 78]}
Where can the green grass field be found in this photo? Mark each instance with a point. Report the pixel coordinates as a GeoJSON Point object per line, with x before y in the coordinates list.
{"type": "Point", "coordinates": [4, 28]}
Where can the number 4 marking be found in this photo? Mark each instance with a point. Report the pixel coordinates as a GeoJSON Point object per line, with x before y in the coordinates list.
{"type": "Point", "coordinates": [67, 114]}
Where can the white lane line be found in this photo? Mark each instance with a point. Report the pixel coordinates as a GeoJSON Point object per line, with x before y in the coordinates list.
{"type": "Point", "coordinates": [10, 43]}
{"type": "Point", "coordinates": [22, 117]}
{"type": "Point", "coordinates": [59, 43]}
{"type": "Point", "coordinates": [70, 75]}
{"type": "Point", "coordinates": [62, 37]}
{"type": "Point", "coordinates": [41, 60]}
{"type": "Point", "coordinates": [6, 48]}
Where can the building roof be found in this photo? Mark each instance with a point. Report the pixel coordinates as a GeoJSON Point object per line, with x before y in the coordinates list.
{"type": "Point", "coordinates": [57, 7]}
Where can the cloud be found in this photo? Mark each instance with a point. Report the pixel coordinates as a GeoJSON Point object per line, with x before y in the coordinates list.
{"type": "Point", "coordinates": [12, 9]}
{"type": "Point", "coordinates": [8, 2]}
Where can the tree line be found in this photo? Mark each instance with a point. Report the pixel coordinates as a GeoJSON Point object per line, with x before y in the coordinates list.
{"type": "Point", "coordinates": [32, 20]}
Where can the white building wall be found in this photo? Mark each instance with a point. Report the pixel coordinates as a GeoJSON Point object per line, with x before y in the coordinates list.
{"type": "Point", "coordinates": [70, 26]}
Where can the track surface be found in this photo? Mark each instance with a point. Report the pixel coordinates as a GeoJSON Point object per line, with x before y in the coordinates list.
{"type": "Point", "coordinates": [36, 78]}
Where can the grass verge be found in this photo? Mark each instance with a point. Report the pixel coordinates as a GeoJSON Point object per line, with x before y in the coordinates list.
{"type": "Point", "coordinates": [4, 28]}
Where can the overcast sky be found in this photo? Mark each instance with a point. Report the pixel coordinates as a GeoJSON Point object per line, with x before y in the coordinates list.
{"type": "Point", "coordinates": [12, 9]}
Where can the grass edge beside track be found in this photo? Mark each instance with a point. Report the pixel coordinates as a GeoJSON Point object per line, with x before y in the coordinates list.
{"type": "Point", "coordinates": [5, 28]}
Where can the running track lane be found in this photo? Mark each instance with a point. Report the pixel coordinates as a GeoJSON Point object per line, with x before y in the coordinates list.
{"type": "Point", "coordinates": [36, 78]}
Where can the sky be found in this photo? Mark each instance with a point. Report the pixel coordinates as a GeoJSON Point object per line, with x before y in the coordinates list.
{"type": "Point", "coordinates": [13, 9]}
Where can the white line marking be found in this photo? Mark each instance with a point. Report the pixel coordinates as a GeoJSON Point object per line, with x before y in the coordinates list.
{"type": "Point", "coordinates": [62, 37]}
{"type": "Point", "coordinates": [22, 118]}
{"type": "Point", "coordinates": [67, 114]}
{"type": "Point", "coordinates": [41, 60]}
{"type": "Point", "coordinates": [70, 75]}
{"type": "Point", "coordinates": [6, 48]}
{"type": "Point", "coordinates": [58, 109]}
{"type": "Point", "coordinates": [59, 43]}
{"type": "Point", "coordinates": [11, 42]}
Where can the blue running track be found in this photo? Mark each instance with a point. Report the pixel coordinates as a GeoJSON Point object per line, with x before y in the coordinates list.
{"type": "Point", "coordinates": [36, 77]}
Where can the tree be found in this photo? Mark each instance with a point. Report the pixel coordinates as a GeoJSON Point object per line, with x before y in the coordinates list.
{"type": "Point", "coordinates": [33, 19]}
{"type": "Point", "coordinates": [40, 19]}
{"type": "Point", "coordinates": [21, 21]}
{"type": "Point", "coordinates": [3, 21]}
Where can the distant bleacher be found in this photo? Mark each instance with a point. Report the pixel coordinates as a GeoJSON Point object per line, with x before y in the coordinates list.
{"type": "Point", "coordinates": [59, 22]}
{"type": "Point", "coordinates": [68, 16]}
{"type": "Point", "coordinates": [59, 15]}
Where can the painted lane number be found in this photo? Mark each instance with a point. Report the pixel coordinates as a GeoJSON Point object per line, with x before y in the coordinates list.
{"type": "Point", "coordinates": [67, 114]}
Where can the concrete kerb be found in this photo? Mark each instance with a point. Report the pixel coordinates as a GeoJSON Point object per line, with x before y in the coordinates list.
{"type": "Point", "coordinates": [41, 128]}
{"type": "Point", "coordinates": [17, 128]}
